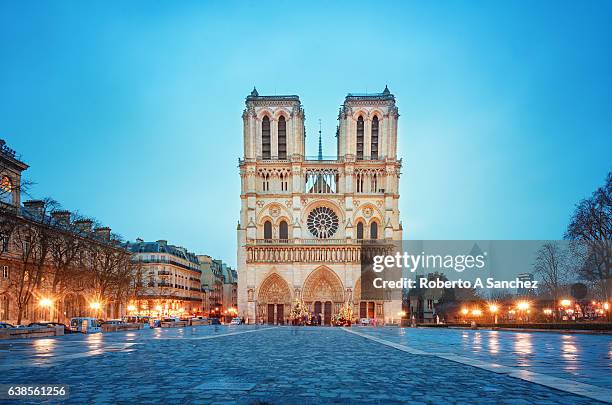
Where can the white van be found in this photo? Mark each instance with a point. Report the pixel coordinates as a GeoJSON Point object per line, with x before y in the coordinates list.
{"type": "Point", "coordinates": [85, 325]}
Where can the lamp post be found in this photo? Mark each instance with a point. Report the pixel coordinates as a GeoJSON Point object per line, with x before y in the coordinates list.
{"type": "Point", "coordinates": [523, 307]}
{"type": "Point", "coordinates": [46, 303]}
{"type": "Point", "coordinates": [464, 312]}
{"type": "Point", "coordinates": [494, 309]}
{"type": "Point", "coordinates": [96, 307]}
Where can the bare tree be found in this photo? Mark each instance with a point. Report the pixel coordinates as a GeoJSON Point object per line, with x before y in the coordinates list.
{"type": "Point", "coordinates": [32, 239]}
{"type": "Point", "coordinates": [551, 265]}
{"type": "Point", "coordinates": [591, 225]}
{"type": "Point", "coordinates": [65, 261]}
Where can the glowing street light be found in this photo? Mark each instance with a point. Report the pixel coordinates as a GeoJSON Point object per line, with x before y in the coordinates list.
{"type": "Point", "coordinates": [94, 305]}
{"type": "Point", "coordinates": [606, 306]}
{"type": "Point", "coordinates": [476, 312]}
{"type": "Point", "coordinates": [566, 303]}
{"type": "Point", "coordinates": [401, 314]}
{"type": "Point", "coordinates": [493, 308]}
{"type": "Point", "coordinates": [522, 305]}
{"type": "Point", "coordinates": [158, 308]}
{"type": "Point", "coordinates": [465, 311]}
{"type": "Point", "coordinates": [45, 302]}
{"type": "Point", "coordinates": [131, 308]}
{"type": "Point", "coordinates": [547, 311]}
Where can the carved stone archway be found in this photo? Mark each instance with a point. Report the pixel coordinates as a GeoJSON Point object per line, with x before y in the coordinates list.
{"type": "Point", "coordinates": [273, 300]}
{"type": "Point", "coordinates": [323, 293]}
{"type": "Point", "coordinates": [323, 285]}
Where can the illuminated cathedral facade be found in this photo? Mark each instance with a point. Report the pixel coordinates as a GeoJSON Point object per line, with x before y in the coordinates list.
{"type": "Point", "coordinates": [304, 220]}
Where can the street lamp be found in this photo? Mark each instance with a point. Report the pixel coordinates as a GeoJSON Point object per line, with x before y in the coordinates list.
{"type": "Point", "coordinates": [46, 303]}
{"type": "Point", "coordinates": [95, 306]}
{"type": "Point", "coordinates": [493, 308]}
{"type": "Point", "coordinates": [566, 303]}
{"type": "Point", "coordinates": [131, 308]}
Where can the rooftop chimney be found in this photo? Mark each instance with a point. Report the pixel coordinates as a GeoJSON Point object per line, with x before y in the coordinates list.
{"type": "Point", "coordinates": [103, 233]}
{"type": "Point", "coordinates": [61, 217]}
{"type": "Point", "coordinates": [35, 207]}
{"type": "Point", "coordinates": [162, 242]}
{"type": "Point", "coordinates": [84, 225]}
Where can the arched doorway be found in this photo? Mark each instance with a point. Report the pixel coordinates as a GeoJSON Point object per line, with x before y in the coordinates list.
{"type": "Point", "coordinates": [323, 293]}
{"type": "Point", "coordinates": [366, 309]}
{"type": "Point", "coordinates": [274, 300]}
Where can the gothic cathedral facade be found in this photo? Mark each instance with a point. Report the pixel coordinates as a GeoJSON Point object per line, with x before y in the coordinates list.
{"type": "Point", "coordinates": [304, 219]}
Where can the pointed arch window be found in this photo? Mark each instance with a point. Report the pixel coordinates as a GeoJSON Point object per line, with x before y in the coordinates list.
{"type": "Point", "coordinates": [360, 129]}
{"type": "Point", "coordinates": [359, 230]}
{"type": "Point", "coordinates": [282, 138]}
{"type": "Point", "coordinates": [265, 138]}
{"type": "Point", "coordinates": [268, 230]}
{"type": "Point", "coordinates": [374, 145]}
{"type": "Point", "coordinates": [283, 231]}
{"type": "Point", "coordinates": [374, 230]}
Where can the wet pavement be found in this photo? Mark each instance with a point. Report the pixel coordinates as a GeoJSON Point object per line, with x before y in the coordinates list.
{"type": "Point", "coordinates": [280, 365]}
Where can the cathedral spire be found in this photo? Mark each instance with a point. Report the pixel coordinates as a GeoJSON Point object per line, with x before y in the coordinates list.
{"type": "Point", "coordinates": [320, 145]}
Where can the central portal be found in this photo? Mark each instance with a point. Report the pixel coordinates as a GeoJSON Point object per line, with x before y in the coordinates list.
{"type": "Point", "coordinates": [324, 310]}
{"type": "Point", "coordinates": [323, 293]}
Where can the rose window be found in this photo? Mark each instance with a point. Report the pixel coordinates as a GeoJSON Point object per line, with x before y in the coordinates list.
{"type": "Point", "coordinates": [322, 222]}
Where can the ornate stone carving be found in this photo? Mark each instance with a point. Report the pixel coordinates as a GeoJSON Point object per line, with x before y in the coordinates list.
{"type": "Point", "coordinates": [367, 212]}
{"type": "Point", "coordinates": [323, 285]}
{"type": "Point", "coordinates": [275, 211]}
{"type": "Point", "coordinates": [274, 290]}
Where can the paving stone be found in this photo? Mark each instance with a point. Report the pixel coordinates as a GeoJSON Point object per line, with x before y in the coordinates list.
{"type": "Point", "coordinates": [301, 366]}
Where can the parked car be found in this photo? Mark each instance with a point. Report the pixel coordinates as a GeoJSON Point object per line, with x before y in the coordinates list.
{"type": "Point", "coordinates": [85, 325]}
{"type": "Point", "coordinates": [5, 325]}
{"type": "Point", "coordinates": [236, 321]}
{"type": "Point", "coordinates": [144, 320]}
{"type": "Point", "coordinates": [49, 325]}
{"type": "Point", "coordinates": [113, 322]}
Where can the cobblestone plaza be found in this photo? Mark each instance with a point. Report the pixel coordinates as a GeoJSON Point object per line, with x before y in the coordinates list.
{"type": "Point", "coordinates": [279, 365]}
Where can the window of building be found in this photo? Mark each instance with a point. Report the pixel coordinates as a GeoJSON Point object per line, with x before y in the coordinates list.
{"type": "Point", "coordinates": [429, 304]}
{"type": "Point", "coordinates": [284, 181]}
{"type": "Point", "coordinates": [265, 138]}
{"type": "Point", "coordinates": [374, 230]}
{"type": "Point", "coordinates": [360, 130]}
{"type": "Point", "coordinates": [267, 230]}
{"type": "Point", "coordinates": [4, 241]}
{"type": "Point", "coordinates": [265, 178]}
{"type": "Point", "coordinates": [282, 138]}
{"type": "Point", "coordinates": [5, 271]}
{"type": "Point", "coordinates": [283, 231]}
{"type": "Point", "coordinates": [6, 190]}
{"type": "Point", "coordinates": [374, 144]}
{"type": "Point", "coordinates": [4, 308]}
{"type": "Point", "coordinates": [359, 230]}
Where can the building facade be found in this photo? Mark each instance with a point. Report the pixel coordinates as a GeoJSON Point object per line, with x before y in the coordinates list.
{"type": "Point", "coordinates": [54, 264]}
{"type": "Point", "coordinates": [303, 219]}
{"type": "Point", "coordinates": [170, 279]}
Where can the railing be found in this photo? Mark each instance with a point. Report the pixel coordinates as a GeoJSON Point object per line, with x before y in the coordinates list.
{"type": "Point", "coordinates": [314, 159]}
{"type": "Point", "coordinates": [172, 262]}
{"type": "Point", "coordinates": [334, 242]}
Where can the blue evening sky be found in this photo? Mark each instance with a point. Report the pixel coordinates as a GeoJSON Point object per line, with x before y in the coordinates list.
{"type": "Point", "coordinates": [131, 111]}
